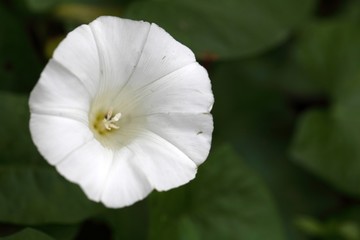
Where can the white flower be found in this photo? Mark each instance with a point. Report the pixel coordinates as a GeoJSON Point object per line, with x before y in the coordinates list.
{"type": "Point", "coordinates": [121, 109]}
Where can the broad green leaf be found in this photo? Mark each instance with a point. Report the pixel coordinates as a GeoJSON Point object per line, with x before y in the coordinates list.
{"type": "Point", "coordinates": [225, 201]}
{"type": "Point", "coordinates": [16, 145]}
{"type": "Point", "coordinates": [28, 234]}
{"type": "Point", "coordinates": [224, 29]}
{"type": "Point", "coordinates": [19, 63]}
{"type": "Point", "coordinates": [128, 223]}
{"type": "Point", "coordinates": [324, 146]}
{"type": "Point", "coordinates": [31, 191]}
{"type": "Point", "coordinates": [350, 219]}
{"type": "Point", "coordinates": [351, 11]}
{"type": "Point", "coordinates": [343, 224]}
{"type": "Point", "coordinates": [60, 232]}
{"type": "Point", "coordinates": [310, 226]}
{"type": "Point", "coordinates": [38, 195]}
{"type": "Point", "coordinates": [328, 52]}
{"type": "Point", "coordinates": [244, 100]}
{"type": "Point", "coordinates": [331, 229]}
{"type": "Point", "coordinates": [327, 140]}
{"type": "Point", "coordinates": [253, 111]}
{"type": "Point", "coordinates": [40, 5]}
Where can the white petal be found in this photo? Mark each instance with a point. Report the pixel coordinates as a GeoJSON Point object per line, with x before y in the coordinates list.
{"type": "Point", "coordinates": [161, 55]}
{"type": "Point", "coordinates": [120, 43]}
{"type": "Point", "coordinates": [125, 184]}
{"type": "Point", "coordinates": [88, 166]}
{"type": "Point", "coordinates": [58, 90]}
{"type": "Point", "coordinates": [186, 90]}
{"type": "Point", "coordinates": [190, 133]}
{"type": "Point", "coordinates": [56, 137]}
{"type": "Point", "coordinates": [78, 53]}
{"type": "Point", "coordinates": [164, 165]}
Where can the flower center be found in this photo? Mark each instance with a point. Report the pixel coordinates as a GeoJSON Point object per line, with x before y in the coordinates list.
{"type": "Point", "coordinates": [110, 120]}
{"type": "Point", "coordinates": [102, 124]}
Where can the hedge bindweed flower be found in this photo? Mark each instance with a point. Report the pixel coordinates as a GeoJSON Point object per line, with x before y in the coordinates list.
{"type": "Point", "coordinates": [121, 109]}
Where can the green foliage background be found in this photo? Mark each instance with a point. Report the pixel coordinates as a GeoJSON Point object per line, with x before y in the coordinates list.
{"type": "Point", "coordinates": [285, 159]}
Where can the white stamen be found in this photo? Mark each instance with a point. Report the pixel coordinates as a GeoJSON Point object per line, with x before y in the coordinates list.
{"type": "Point", "coordinates": [110, 120]}
{"type": "Point", "coordinates": [117, 117]}
{"type": "Point", "coordinates": [109, 114]}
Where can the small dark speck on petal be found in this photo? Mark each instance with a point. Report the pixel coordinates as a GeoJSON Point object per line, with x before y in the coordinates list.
{"type": "Point", "coordinates": [200, 132]}
{"type": "Point", "coordinates": [163, 57]}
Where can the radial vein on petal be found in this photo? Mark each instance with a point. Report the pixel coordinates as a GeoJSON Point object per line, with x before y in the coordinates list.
{"type": "Point", "coordinates": [108, 174]}
{"type": "Point", "coordinates": [102, 63]}
{"type": "Point", "coordinates": [159, 140]}
{"type": "Point", "coordinates": [73, 74]}
{"type": "Point", "coordinates": [139, 93]}
{"type": "Point", "coordinates": [74, 150]}
{"type": "Point", "coordinates": [72, 114]}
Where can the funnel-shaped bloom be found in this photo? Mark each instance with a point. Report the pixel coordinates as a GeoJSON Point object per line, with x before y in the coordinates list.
{"type": "Point", "coordinates": [121, 109]}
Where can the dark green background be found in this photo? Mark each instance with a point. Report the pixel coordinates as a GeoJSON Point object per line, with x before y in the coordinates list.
{"type": "Point", "coordinates": [285, 158]}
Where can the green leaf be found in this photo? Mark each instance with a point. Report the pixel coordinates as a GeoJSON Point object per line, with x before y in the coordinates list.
{"type": "Point", "coordinates": [16, 145]}
{"type": "Point", "coordinates": [253, 111]}
{"type": "Point", "coordinates": [350, 219]}
{"type": "Point", "coordinates": [224, 29]}
{"type": "Point", "coordinates": [328, 52]}
{"type": "Point", "coordinates": [334, 228]}
{"type": "Point", "coordinates": [40, 5]}
{"type": "Point", "coordinates": [326, 140]}
{"type": "Point", "coordinates": [225, 201]}
{"type": "Point", "coordinates": [28, 234]}
{"type": "Point", "coordinates": [31, 191]}
{"type": "Point", "coordinates": [19, 63]}
{"type": "Point", "coordinates": [351, 11]}
{"type": "Point", "coordinates": [60, 232]}
{"type": "Point", "coordinates": [38, 195]}
{"type": "Point", "coordinates": [325, 147]}
{"type": "Point", "coordinates": [128, 223]}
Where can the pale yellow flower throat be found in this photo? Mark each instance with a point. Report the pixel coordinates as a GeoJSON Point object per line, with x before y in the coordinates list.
{"type": "Point", "coordinates": [104, 124]}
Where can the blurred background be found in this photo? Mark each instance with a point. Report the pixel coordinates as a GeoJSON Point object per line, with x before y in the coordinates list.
{"type": "Point", "coordinates": [285, 158]}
